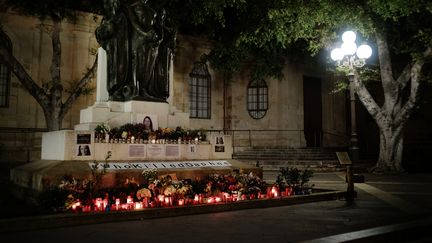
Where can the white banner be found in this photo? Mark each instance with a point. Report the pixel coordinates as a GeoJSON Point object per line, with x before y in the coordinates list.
{"type": "Point", "coordinates": [161, 165]}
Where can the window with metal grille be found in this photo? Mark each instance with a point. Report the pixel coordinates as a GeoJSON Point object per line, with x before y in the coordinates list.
{"type": "Point", "coordinates": [199, 91]}
{"type": "Point", "coordinates": [257, 99]}
{"type": "Point", "coordinates": [4, 73]}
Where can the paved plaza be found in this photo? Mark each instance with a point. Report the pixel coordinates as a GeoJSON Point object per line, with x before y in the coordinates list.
{"type": "Point", "coordinates": [384, 202]}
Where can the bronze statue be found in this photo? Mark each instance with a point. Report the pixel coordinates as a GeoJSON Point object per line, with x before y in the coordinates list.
{"type": "Point", "coordinates": [160, 84]}
{"type": "Point", "coordinates": [112, 34]}
{"type": "Point", "coordinates": [139, 50]}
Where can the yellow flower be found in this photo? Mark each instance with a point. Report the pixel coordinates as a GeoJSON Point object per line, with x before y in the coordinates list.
{"type": "Point", "coordinates": [142, 193]}
{"type": "Point", "coordinates": [169, 190]}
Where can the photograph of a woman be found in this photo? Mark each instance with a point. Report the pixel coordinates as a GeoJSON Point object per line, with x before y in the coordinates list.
{"type": "Point", "coordinates": [83, 150]}
{"type": "Point", "coordinates": [148, 124]}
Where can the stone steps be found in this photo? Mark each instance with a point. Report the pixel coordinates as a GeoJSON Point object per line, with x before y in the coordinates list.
{"type": "Point", "coordinates": [272, 159]}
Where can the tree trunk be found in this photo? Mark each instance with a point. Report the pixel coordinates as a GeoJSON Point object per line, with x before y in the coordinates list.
{"type": "Point", "coordinates": [53, 120]}
{"type": "Point", "coordinates": [391, 148]}
{"type": "Point", "coordinates": [392, 117]}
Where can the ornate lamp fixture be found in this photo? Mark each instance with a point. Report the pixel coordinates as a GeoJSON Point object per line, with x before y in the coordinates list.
{"type": "Point", "coordinates": [349, 55]}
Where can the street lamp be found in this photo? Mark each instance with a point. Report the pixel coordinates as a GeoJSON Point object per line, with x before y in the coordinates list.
{"type": "Point", "coordinates": [350, 56]}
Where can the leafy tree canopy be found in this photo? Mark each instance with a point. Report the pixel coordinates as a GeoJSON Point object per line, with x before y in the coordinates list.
{"type": "Point", "coordinates": [265, 32]}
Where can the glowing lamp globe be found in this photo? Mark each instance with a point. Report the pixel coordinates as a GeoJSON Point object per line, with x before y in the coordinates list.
{"type": "Point", "coordinates": [364, 51]}
{"type": "Point", "coordinates": [349, 36]}
{"type": "Point", "coordinates": [349, 48]}
{"type": "Point", "coordinates": [337, 54]}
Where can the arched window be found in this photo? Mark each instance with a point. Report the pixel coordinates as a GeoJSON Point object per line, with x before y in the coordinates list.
{"type": "Point", "coordinates": [199, 91]}
{"type": "Point", "coordinates": [257, 98]}
{"type": "Point", "coordinates": [5, 75]}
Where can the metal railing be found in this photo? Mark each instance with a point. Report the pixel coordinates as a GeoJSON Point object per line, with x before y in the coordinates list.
{"type": "Point", "coordinates": [242, 138]}
{"type": "Point", "coordinates": [285, 138]}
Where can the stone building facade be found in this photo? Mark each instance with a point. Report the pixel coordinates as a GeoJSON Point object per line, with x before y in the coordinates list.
{"type": "Point", "coordinates": [297, 111]}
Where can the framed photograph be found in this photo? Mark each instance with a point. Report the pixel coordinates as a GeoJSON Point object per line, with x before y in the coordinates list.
{"type": "Point", "coordinates": [83, 150]}
{"type": "Point", "coordinates": [219, 140]}
{"type": "Point", "coordinates": [84, 138]}
{"type": "Point", "coordinates": [219, 148]}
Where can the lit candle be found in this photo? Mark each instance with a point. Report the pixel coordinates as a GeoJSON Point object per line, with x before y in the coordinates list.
{"type": "Point", "coordinates": [129, 200]}
{"type": "Point", "coordinates": [98, 203]}
{"type": "Point", "coordinates": [288, 191]}
{"type": "Point", "coordinates": [274, 192]}
{"type": "Point", "coordinates": [138, 205]}
{"type": "Point", "coordinates": [132, 139]}
{"type": "Point", "coordinates": [161, 198]}
{"type": "Point", "coordinates": [196, 199]}
{"type": "Point", "coordinates": [105, 203]}
{"type": "Point", "coordinates": [218, 199]}
{"type": "Point", "coordinates": [117, 203]}
{"type": "Point", "coordinates": [181, 202]}
{"type": "Point", "coordinates": [225, 196]}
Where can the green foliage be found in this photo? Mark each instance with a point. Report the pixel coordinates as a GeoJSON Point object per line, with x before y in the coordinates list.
{"type": "Point", "coordinates": [263, 34]}
{"type": "Point", "coordinates": [98, 170]}
{"type": "Point", "coordinates": [294, 177]}
{"type": "Point", "coordinates": [101, 129]}
{"type": "Point", "coordinates": [47, 8]}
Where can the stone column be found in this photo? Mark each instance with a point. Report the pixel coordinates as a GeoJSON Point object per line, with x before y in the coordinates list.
{"type": "Point", "coordinates": [102, 76]}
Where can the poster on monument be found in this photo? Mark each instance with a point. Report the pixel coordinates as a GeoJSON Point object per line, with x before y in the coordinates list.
{"type": "Point", "coordinates": [172, 151]}
{"type": "Point", "coordinates": [219, 144]}
{"type": "Point", "coordinates": [83, 145]}
{"type": "Point", "coordinates": [155, 151]}
{"type": "Point", "coordinates": [136, 151]}
{"type": "Point", "coordinates": [150, 121]}
{"type": "Point", "coordinates": [83, 138]}
{"type": "Point", "coordinates": [83, 150]}
{"type": "Point", "coordinates": [192, 149]}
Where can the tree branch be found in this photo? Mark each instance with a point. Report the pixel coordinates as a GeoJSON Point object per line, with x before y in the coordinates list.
{"type": "Point", "coordinates": [23, 77]}
{"type": "Point", "coordinates": [405, 76]}
{"type": "Point", "coordinates": [56, 87]}
{"type": "Point", "coordinates": [415, 73]}
{"type": "Point", "coordinates": [384, 58]}
{"type": "Point", "coordinates": [367, 99]}
{"type": "Point", "coordinates": [76, 92]}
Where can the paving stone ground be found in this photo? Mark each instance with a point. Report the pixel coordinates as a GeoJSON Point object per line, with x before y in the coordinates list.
{"type": "Point", "coordinates": [382, 200]}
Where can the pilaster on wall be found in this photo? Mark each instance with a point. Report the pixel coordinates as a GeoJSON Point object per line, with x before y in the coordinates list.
{"type": "Point", "coordinates": [228, 106]}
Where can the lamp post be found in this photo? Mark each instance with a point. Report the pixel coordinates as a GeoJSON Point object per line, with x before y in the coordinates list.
{"type": "Point", "coordinates": [351, 57]}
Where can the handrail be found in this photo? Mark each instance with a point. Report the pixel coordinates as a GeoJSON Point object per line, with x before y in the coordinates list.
{"type": "Point", "coordinates": [22, 129]}
{"type": "Point", "coordinates": [336, 134]}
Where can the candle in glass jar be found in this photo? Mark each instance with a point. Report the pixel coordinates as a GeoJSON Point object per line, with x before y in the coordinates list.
{"type": "Point", "coordinates": [138, 205]}
{"type": "Point", "coordinates": [161, 198]}
{"type": "Point", "coordinates": [129, 200]}
{"type": "Point", "coordinates": [181, 202]}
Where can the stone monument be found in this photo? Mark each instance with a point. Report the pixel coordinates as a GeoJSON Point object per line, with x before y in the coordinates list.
{"type": "Point", "coordinates": [133, 83]}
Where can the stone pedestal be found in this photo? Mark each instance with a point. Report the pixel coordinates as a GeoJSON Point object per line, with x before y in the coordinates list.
{"type": "Point", "coordinates": [115, 114]}
{"type": "Point", "coordinates": [66, 145]}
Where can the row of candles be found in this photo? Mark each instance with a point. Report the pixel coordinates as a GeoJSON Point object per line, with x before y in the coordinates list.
{"type": "Point", "coordinates": [100, 204]}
